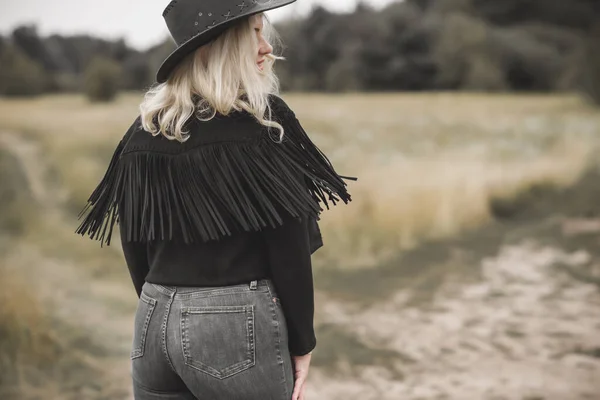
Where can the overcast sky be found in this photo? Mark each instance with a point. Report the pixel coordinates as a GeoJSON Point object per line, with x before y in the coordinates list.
{"type": "Point", "coordinates": [140, 22]}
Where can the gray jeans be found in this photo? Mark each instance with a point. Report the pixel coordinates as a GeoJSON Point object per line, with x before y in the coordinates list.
{"type": "Point", "coordinates": [211, 343]}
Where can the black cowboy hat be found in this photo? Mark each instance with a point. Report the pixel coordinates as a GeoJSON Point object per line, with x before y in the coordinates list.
{"type": "Point", "coordinates": [193, 23]}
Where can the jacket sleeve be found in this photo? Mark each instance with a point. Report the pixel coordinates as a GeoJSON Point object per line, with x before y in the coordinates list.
{"type": "Point", "coordinates": [314, 235]}
{"type": "Point", "coordinates": [136, 258]}
{"type": "Point", "coordinates": [289, 254]}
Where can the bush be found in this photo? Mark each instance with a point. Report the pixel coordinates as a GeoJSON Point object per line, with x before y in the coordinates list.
{"type": "Point", "coordinates": [591, 79]}
{"type": "Point", "coordinates": [342, 76]}
{"type": "Point", "coordinates": [19, 75]}
{"type": "Point", "coordinates": [528, 63]}
{"type": "Point", "coordinates": [102, 79]}
{"type": "Point", "coordinates": [16, 199]}
{"type": "Point", "coordinates": [464, 57]}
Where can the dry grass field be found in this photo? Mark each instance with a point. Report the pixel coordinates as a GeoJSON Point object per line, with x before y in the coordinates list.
{"type": "Point", "coordinates": [408, 257]}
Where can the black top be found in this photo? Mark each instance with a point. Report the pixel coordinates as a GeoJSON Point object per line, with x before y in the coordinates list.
{"type": "Point", "coordinates": [228, 206]}
{"type": "Point", "coordinates": [281, 254]}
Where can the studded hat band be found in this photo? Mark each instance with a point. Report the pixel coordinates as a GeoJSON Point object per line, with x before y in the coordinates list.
{"type": "Point", "coordinates": [193, 23]}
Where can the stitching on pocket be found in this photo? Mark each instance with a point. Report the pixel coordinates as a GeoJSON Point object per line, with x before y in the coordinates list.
{"type": "Point", "coordinates": [235, 367]}
{"type": "Point", "coordinates": [139, 337]}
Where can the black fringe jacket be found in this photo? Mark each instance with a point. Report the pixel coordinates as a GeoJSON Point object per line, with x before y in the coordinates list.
{"type": "Point", "coordinates": [230, 189]}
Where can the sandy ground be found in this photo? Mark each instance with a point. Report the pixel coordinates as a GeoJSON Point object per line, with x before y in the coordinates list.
{"type": "Point", "coordinates": [520, 333]}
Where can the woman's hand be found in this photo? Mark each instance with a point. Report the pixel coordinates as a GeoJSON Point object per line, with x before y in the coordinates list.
{"type": "Point", "coordinates": [301, 364]}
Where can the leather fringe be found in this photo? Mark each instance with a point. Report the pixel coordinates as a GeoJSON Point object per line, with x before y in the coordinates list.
{"type": "Point", "coordinates": [212, 190]}
{"type": "Point", "coordinates": [102, 205]}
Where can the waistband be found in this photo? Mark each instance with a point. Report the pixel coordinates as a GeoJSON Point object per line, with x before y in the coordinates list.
{"type": "Point", "coordinates": [204, 291]}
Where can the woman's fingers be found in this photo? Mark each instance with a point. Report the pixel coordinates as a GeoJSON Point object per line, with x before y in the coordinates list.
{"type": "Point", "coordinates": [301, 365]}
{"type": "Point", "coordinates": [298, 393]}
{"type": "Point", "coordinates": [301, 396]}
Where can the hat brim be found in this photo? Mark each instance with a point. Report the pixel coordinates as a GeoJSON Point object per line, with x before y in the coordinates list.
{"type": "Point", "coordinates": [208, 35]}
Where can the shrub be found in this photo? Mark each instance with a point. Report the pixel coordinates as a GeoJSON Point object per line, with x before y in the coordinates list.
{"type": "Point", "coordinates": [19, 75]}
{"type": "Point", "coordinates": [591, 79]}
{"type": "Point", "coordinates": [102, 79]}
{"type": "Point", "coordinates": [15, 196]}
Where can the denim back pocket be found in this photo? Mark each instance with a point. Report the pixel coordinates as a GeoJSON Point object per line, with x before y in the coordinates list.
{"type": "Point", "coordinates": [218, 340]}
{"type": "Point", "coordinates": [143, 314]}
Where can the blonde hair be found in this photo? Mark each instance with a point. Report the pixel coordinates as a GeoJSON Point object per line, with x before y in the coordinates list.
{"type": "Point", "coordinates": [220, 76]}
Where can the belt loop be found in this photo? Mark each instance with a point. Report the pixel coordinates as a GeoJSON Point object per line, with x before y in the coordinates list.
{"type": "Point", "coordinates": [253, 284]}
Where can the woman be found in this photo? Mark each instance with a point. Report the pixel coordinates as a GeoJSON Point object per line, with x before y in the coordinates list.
{"type": "Point", "coordinates": [216, 189]}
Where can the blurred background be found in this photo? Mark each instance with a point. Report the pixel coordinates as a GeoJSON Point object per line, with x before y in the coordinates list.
{"type": "Point", "coordinates": [467, 265]}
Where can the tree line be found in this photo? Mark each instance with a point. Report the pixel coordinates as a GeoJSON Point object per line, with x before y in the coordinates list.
{"type": "Point", "coordinates": [483, 45]}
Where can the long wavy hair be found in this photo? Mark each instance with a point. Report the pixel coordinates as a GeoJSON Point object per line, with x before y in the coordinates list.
{"type": "Point", "coordinates": [218, 77]}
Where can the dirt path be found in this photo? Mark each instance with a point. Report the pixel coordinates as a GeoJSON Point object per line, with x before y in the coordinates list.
{"type": "Point", "coordinates": [527, 330]}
